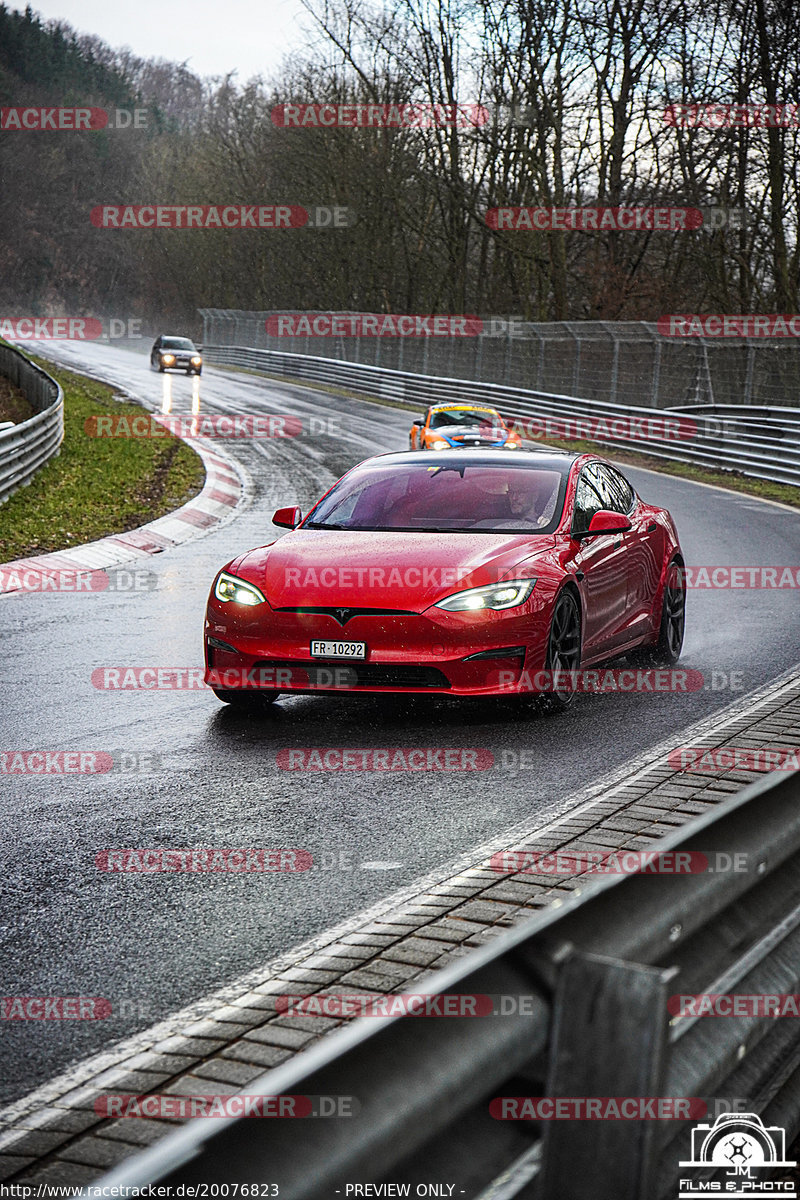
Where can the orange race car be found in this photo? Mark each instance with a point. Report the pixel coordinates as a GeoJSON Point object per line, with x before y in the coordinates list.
{"type": "Point", "coordinates": [456, 426]}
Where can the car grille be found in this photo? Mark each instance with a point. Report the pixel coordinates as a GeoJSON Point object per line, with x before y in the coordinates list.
{"type": "Point", "coordinates": [361, 674]}
{"type": "Point", "coordinates": [343, 614]}
{"type": "Point", "coordinates": [472, 441]}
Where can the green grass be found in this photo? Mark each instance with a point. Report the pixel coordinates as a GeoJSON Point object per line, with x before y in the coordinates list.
{"type": "Point", "coordinates": [13, 404]}
{"type": "Point", "coordinates": [96, 486]}
{"type": "Point", "coordinates": [734, 481]}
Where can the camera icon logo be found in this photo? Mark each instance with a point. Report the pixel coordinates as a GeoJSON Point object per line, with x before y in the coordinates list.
{"type": "Point", "coordinates": [741, 1143]}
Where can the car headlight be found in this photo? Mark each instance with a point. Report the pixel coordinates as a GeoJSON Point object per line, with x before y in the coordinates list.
{"type": "Point", "coordinates": [440, 445]}
{"type": "Point", "coordinates": [496, 595]}
{"type": "Point", "coordinates": [228, 587]}
{"type": "Point", "coordinates": [196, 360]}
{"type": "Point", "coordinates": [511, 445]}
{"type": "Point", "coordinates": [168, 358]}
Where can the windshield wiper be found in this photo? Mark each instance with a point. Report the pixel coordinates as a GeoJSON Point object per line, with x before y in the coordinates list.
{"type": "Point", "coordinates": [461, 468]}
{"type": "Point", "coordinates": [323, 525]}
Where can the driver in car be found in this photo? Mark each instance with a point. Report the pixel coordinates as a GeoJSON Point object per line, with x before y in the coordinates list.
{"type": "Point", "coordinates": [531, 500]}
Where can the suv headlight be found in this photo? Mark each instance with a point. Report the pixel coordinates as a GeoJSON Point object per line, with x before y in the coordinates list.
{"type": "Point", "coordinates": [496, 595]}
{"type": "Point", "coordinates": [168, 358]}
{"type": "Point", "coordinates": [229, 587]}
{"type": "Point", "coordinates": [196, 360]}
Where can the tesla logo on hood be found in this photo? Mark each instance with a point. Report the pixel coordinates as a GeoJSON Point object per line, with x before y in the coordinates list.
{"type": "Point", "coordinates": [343, 615]}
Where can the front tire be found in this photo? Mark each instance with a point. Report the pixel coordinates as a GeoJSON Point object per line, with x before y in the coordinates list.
{"type": "Point", "coordinates": [563, 648]}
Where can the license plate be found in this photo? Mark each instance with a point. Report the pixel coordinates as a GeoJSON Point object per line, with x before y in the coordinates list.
{"type": "Point", "coordinates": [338, 649]}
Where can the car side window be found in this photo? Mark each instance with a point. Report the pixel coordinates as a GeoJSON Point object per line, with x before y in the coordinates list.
{"type": "Point", "coordinates": [588, 499]}
{"type": "Point", "coordinates": [617, 492]}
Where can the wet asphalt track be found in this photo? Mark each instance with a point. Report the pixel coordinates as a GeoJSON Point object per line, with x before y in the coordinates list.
{"type": "Point", "coordinates": [154, 943]}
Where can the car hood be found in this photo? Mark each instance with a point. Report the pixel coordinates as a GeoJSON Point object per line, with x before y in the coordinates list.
{"type": "Point", "coordinates": [411, 571]}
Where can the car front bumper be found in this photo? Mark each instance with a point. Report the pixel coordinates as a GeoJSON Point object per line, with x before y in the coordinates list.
{"type": "Point", "coordinates": [457, 654]}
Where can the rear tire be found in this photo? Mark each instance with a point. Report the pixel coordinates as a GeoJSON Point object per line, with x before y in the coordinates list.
{"type": "Point", "coordinates": [245, 699]}
{"type": "Point", "coordinates": [667, 650]}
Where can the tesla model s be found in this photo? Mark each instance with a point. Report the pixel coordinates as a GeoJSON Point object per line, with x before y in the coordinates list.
{"type": "Point", "coordinates": [461, 575]}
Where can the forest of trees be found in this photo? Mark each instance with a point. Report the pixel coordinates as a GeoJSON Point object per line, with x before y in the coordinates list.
{"type": "Point", "coordinates": [592, 76]}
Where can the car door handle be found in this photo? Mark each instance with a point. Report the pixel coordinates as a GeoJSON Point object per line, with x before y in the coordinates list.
{"type": "Point", "coordinates": [652, 527]}
{"type": "Point", "coordinates": [617, 542]}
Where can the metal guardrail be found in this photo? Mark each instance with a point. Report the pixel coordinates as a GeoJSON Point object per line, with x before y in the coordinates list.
{"type": "Point", "coordinates": [27, 446]}
{"type": "Point", "coordinates": [763, 443]}
{"type": "Point", "coordinates": [597, 973]}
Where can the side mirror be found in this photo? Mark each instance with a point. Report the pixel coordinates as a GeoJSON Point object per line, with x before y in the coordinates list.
{"type": "Point", "coordinates": [421, 421]}
{"type": "Point", "coordinates": [606, 521]}
{"type": "Point", "coordinates": [287, 518]}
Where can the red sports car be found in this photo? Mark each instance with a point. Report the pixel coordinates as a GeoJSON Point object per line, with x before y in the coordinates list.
{"type": "Point", "coordinates": [460, 575]}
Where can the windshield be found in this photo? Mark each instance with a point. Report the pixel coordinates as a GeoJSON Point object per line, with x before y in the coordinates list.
{"type": "Point", "coordinates": [465, 416]}
{"type": "Point", "coordinates": [177, 344]}
{"type": "Point", "coordinates": [457, 498]}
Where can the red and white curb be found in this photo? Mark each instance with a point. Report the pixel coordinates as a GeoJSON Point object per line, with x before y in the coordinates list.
{"type": "Point", "coordinates": [224, 490]}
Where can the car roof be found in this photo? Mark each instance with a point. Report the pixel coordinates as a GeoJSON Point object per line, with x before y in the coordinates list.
{"type": "Point", "coordinates": [554, 459]}
{"type": "Point", "coordinates": [451, 407]}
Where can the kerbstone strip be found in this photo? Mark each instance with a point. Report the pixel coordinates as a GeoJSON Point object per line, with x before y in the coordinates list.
{"type": "Point", "coordinates": [54, 1137]}
{"type": "Point", "coordinates": [223, 491]}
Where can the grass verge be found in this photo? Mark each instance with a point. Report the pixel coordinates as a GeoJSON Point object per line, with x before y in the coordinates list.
{"type": "Point", "coordinates": [13, 404]}
{"type": "Point", "coordinates": [96, 486]}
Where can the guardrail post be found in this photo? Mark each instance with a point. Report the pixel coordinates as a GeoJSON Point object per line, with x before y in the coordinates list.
{"type": "Point", "coordinates": [609, 1039]}
{"type": "Point", "coordinates": [748, 383]}
{"type": "Point", "coordinates": [656, 374]}
{"type": "Point", "coordinates": [614, 370]}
